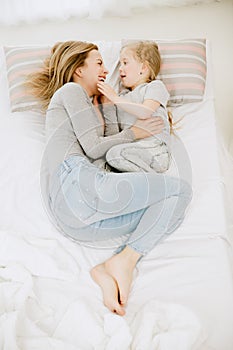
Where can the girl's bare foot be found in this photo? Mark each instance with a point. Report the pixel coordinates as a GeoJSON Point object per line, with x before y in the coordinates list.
{"type": "Point", "coordinates": [109, 288]}
{"type": "Point", "coordinates": [114, 276]}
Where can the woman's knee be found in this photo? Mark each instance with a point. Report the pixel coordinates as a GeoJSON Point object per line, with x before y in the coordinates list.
{"type": "Point", "coordinates": [178, 186]}
{"type": "Point", "coordinates": [185, 191]}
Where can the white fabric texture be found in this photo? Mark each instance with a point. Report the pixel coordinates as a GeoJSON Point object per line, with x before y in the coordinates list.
{"type": "Point", "coordinates": [30, 11]}
{"type": "Point", "coordinates": [182, 291]}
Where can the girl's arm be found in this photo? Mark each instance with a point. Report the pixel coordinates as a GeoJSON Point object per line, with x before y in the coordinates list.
{"type": "Point", "coordinates": [141, 110]}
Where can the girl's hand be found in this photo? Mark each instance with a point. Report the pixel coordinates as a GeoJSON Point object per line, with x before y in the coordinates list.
{"type": "Point", "coordinates": [103, 99]}
{"type": "Point", "coordinates": [107, 91]}
{"type": "Point", "coordinates": [147, 127]}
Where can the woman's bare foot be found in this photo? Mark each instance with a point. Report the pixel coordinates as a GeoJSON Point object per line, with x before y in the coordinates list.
{"type": "Point", "coordinates": [121, 267]}
{"type": "Point", "coordinates": [114, 276]}
{"type": "Point", "coordinates": [109, 288]}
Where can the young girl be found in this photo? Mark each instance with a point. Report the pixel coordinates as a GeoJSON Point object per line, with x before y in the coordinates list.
{"type": "Point", "coordinates": [143, 97]}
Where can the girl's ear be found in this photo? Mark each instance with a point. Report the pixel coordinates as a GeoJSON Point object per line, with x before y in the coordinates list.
{"type": "Point", "coordinates": [145, 68]}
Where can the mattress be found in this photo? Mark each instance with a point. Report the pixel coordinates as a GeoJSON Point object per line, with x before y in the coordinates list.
{"type": "Point", "coordinates": [182, 292]}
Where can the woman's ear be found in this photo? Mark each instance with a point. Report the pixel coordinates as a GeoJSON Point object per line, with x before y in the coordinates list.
{"type": "Point", "coordinates": [78, 72]}
{"type": "Point", "coordinates": [77, 75]}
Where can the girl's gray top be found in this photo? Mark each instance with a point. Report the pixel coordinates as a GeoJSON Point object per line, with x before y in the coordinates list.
{"type": "Point", "coordinates": [155, 90]}
{"type": "Point", "coordinates": [73, 127]}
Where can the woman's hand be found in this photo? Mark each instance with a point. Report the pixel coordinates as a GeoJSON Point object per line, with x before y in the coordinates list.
{"type": "Point", "coordinates": [147, 127]}
{"type": "Point", "coordinates": [106, 90]}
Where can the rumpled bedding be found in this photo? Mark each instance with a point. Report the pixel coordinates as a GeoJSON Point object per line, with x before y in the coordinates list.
{"type": "Point", "coordinates": [48, 299]}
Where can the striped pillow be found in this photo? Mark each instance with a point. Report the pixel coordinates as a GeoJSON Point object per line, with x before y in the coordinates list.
{"type": "Point", "coordinates": [21, 61]}
{"type": "Point", "coordinates": [183, 69]}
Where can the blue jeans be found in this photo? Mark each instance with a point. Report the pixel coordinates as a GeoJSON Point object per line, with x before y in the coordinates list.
{"type": "Point", "coordinates": [90, 205]}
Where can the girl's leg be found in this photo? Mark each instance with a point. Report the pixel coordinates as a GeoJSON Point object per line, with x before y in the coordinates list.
{"type": "Point", "coordinates": [125, 157]}
{"type": "Point", "coordinates": [147, 155]}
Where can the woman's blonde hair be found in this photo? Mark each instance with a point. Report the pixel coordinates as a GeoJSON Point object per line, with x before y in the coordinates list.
{"type": "Point", "coordinates": [148, 52]}
{"type": "Point", "coordinates": [58, 69]}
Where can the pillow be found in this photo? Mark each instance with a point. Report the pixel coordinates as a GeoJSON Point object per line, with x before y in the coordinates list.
{"type": "Point", "coordinates": [183, 69]}
{"type": "Point", "coordinates": [21, 61]}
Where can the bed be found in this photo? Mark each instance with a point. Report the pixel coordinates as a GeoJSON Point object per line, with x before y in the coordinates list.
{"type": "Point", "coordinates": [182, 292]}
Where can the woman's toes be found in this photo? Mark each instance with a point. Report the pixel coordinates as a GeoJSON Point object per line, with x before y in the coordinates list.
{"type": "Point", "coordinates": [118, 310]}
{"type": "Point", "coordinates": [109, 289]}
{"type": "Point", "coordinates": [122, 299]}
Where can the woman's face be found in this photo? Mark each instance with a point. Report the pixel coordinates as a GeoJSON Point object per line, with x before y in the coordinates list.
{"type": "Point", "coordinates": [91, 73]}
{"type": "Point", "coordinates": [130, 69]}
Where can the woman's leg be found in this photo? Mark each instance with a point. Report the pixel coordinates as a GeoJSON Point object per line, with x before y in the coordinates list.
{"type": "Point", "coordinates": [161, 218]}
{"type": "Point", "coordinates": [85, 196]}
{"type": "Point", "coordinates": [146, 205]}
{"type": "Point", "coordinates": [149, 206]}
{"type": "Point", "coordinates": [114, 276]}
{"type": "Point", "coordinates": [155, 224]}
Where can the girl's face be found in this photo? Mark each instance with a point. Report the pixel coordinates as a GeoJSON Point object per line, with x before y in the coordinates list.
{"type": "Point", "coordinates": [91, 73]}
{"type": "Point", "coordinates": [132, 72]}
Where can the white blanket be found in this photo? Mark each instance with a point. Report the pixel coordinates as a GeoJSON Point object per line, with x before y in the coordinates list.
{"type": "Point", "coordinates": [49, 302]}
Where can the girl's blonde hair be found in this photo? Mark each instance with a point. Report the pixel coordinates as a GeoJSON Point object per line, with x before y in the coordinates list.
{"type": "Point", "coordinates": [148, 52]}
{"type": "Point", "coordinates": [58, 69]}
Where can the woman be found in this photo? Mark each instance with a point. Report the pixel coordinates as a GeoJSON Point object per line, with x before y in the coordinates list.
{"type": "Point", "coordinates": [89, 203]}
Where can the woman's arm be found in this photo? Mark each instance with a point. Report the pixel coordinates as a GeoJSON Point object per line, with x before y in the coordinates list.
{"type": "Point", "coordinates": [108, 112]}
{"type": "Point", "coordinates": [87, 126]}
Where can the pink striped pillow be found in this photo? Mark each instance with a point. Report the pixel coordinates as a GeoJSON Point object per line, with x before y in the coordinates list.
{"type": "Point", "coordinates": [183, 69]}
{"type": "Point", "coordinates": [21, 61]}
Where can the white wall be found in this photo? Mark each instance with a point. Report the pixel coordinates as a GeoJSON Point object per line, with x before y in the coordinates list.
{"type": "Point", "coordinates": [213, 21]}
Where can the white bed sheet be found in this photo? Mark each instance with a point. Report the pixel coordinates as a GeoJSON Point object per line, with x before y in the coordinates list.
{"type": "Point", "coordinates": [182, 293]}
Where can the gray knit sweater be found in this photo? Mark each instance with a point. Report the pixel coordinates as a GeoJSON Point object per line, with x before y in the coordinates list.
{"type": "Point", "coordinates": [73, 127]}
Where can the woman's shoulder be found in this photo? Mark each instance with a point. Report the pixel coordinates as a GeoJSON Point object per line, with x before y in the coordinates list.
{"type": "Point", "coordinates": [71, 86]}
{"type": "Point", "coordinates": [70, 89]}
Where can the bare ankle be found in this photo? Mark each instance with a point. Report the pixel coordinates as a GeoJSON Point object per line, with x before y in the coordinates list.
{"type": "Point", "coordinates": [130, 255]}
